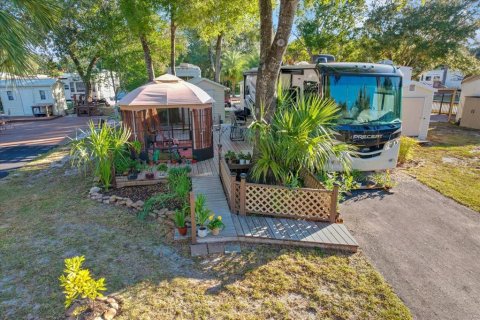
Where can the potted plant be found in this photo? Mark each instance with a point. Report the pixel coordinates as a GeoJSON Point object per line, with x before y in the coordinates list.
{"type": "Point", "coordinates": [162, 168]}
{"type": "Point", "coordinates": [241, 158]}
{"type": "Point", "coordinates": [248, 158]}
{"type": "Point", "coordinates": [215, 224]}
{"type": "Point", "coordinates": [149, 174]}
{"type": "Point", "coordinates": [134, 169]}
{"type": "Point", "coordinates": [179, 220]}
{"type": "Point", "coordinates": [230, 156]}
{"type": "Point", "coordinates": [201, 213]}
{"type": "Point", "coordinates": [194, 159]}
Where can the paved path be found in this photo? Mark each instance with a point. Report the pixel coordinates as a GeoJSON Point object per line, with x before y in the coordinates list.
{"type": "Point", "coordinates": [26, 140]}
{"type": "Point", "coordinates": [426, 245]}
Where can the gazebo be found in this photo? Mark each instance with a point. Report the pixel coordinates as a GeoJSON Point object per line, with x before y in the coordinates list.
{"type": "Point", "coordinates": [172, 119]}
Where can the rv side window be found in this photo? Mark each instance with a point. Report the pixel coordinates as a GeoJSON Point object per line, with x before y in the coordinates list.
{"type": "Point", "coordinates": [72, 87]}
{"type": "Point", "coordinates": [80, 86]}
{"type": "Point", "coordinates": [10, 95]}
{"type": "Point", "coordinates": [66, 87]}
{"type": "Point", "coordinates": [428, 78]}
{"type": "Point", "coordinates": [42, 95]}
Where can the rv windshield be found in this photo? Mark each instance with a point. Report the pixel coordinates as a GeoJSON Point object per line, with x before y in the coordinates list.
{"type": "Point", "coordinates": [365, 99]}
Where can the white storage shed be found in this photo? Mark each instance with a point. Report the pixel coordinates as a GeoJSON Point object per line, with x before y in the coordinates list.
{"type": "Point", "coordinates": [469, 107]}
{"type": "Point", "coordinates": [417, 103]}
{"type": "Point", "coordinates": [217, 92]}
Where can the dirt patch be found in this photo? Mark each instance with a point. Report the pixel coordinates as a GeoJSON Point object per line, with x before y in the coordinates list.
{"type": "Point", "coordinates": [138, 192]}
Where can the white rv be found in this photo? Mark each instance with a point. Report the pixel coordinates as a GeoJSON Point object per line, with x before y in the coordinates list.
{"type": "Point", "coordinates": [102, 86]}
{"type": "Point", "coordinates": [442, 78]}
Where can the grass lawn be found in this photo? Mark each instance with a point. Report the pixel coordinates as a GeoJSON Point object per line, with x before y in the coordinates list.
{"type": "Point", "coordinates": [451, 164]}
{"type": "Point", "coordinates": [46, 217]}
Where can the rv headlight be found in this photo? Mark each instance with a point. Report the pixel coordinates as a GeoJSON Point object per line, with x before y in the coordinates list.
{"type": "Point", "coordinates": [390, 144]}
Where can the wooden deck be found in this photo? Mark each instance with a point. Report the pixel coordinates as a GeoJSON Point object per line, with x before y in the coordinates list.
{"type": "Point", "coordinates": [210, 167]}
{"type": "Point", "coordinates": [261, 229]}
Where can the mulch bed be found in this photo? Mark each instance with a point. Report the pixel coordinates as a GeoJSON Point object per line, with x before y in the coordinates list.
{"type": "Point", "coordinates": [138, 192]}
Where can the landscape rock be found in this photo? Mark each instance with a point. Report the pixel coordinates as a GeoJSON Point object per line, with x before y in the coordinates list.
{"type": "Point", "coordinates": [95, 190]}
{"type": "Point", "coordinates": [106, 201]}
{"type": "Point", "coordinates": [109, 314]}
{"type": "Point", "coordinates": [129, 203]}
{"type": "Point", "coordinates": [139, 203]}
{"type": "Point", "coordinates": [112, 198]}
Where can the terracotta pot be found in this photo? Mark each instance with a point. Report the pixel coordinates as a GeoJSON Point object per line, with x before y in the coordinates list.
{"type": "Point", "coordinates": [215, 231]}
{"type": "Point", "coordinates": [182, 231]}
{"type": "Point", "coordinates": [202, 232]}
{"type": "Point", "coordinates": [149, 175]}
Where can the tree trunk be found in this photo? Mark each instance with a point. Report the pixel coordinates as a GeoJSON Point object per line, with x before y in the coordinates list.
{"type": "Point", "coordinates": [173, 29]}
{"type": "Point", "coordinates": [218, 57]}
{"type": "Point", "coordinates": [85, 75]}
{"type": "Point", "coordinates": [148, 58]}
{"type": "Point", "coordinates": [272, 51]}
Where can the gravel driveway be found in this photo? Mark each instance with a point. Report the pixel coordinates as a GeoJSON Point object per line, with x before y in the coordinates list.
{"type": "Point", "coordinates": [427, 247]}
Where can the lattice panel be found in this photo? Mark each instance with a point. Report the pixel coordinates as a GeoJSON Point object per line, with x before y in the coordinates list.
{"type": "Point", "coordinates": [301, 203]}
{"type": "Point", "coordinates": [237, 196]}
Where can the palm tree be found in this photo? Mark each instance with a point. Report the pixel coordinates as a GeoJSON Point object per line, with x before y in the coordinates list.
{"type": "Point", "coordinates": [22, 25]}
{"type": "Point", "coordinates": [299, 137]}
{"type": "Point", "coordinates": [232, 67]}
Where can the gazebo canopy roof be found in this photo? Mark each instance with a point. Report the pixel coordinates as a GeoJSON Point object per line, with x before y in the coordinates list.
{"type": "Point", "coordinates": [166, 91]}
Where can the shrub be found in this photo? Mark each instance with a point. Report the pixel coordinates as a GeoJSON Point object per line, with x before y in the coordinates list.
{"type": "Point", "coordinates": [384, 179]}
{"type": "Point", "coordinates": [99, 149]}
{"type": "Point", "coordinates": [77, 282]}
{"type": "Point", "coordinates": [162, 167]}
{"type": "Point", "coordinates": [407, 147]}
{"type": "Point", "coordinates": [299, 136]}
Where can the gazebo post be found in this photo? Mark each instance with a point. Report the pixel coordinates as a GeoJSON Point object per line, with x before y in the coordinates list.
{"type": "Point", "coordinates": [134, 125]}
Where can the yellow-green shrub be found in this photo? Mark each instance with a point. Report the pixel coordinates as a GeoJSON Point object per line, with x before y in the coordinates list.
{"type": "Point", "coordinates": [77, 282]}
{"type": "Point", "coordinates": [407, 146]}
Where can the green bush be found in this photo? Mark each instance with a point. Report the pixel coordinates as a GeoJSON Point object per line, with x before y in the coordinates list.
{"type": "Point", "coordinates": [99, 149]}
{"type": "Point", "coordinates": [299, 136]}
{"type": "Point", "coordinates": [77, 282]}
{"type": "Point", "coordinates": [407, 147]}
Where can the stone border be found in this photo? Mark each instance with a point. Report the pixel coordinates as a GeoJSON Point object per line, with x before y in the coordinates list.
{"type": "Point", "coordinates": [164, 215]}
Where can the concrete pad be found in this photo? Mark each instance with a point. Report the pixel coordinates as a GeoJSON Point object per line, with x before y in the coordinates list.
{"type": "Point", "coordinates": [199, 250]}
{"type": "Point", "coordinates": [216, 248]}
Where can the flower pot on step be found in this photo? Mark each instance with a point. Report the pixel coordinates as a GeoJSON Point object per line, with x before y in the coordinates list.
{"type": "Point", "coordinates": [202, 232]}
{"type": "Point", "coordinates": [215, 231]}
{"type": "Point", "coordinates": [182, 231]}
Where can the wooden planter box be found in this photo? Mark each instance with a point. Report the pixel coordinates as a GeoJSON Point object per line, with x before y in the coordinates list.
{"type": "Point", "coordinates": [313, 203]}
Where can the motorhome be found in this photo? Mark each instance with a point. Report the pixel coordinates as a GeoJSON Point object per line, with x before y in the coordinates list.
{"type": "Point", "coordinates": [368, 95]}
{"type": "Point", "coordinates": [103, 88]}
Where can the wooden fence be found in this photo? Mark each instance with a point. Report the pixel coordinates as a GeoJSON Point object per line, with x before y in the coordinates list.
{"type": "Point", "coordinates": [312, 203]}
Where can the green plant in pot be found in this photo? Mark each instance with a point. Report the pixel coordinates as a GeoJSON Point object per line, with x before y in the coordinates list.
{"type": "Point", "coordinates": [202, 213]}
{"type": "Point", "coordinates": [241, 158]}
{"type": "Point", "coordinates": [230, 156]}
{"type": "Point", "coordinates": [162, 169]}
{"type": "Point", "coordinates": [215, 225]}
{"type": "Point", "coordinates": [248, 158]}
{"type": "Point", "coordinates": [179, 220]}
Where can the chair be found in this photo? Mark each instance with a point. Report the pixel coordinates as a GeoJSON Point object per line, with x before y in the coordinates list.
{"type": "Point", "coordinates": [237, 128]}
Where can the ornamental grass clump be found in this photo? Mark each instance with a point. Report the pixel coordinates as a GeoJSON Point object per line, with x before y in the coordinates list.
{"type": "Point", "coordinates": [299, 136]}
{"type": "Point", "coordinates": [99, 149]}
{"type": "Point", "coordinates": [407, 148]}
